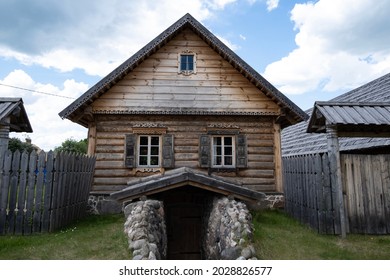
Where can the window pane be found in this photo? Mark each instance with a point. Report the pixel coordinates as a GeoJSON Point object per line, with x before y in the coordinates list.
{"type": "Point", "coordinates": [153, 160]}
{"type": "Point", "coordinates": [228, 141]}
{"type": "Point", "coordinates": [228, 160]}
{"type": "Point", "coordinates": [143, 140]}
{"type": "Point", "coordinates": [143, 160]}
{"type": "Point", "coordinates": [217, 160]}
{"type": "Point", "coordinates": [155, 141]}
{"type": "Point", "coordinates": [154, 151]}
{"type": "Point", "coordinates": [217, 141]}
{"type": "Point", "coordinates": [186, 62]}
{"type": "Point", "coordinates": [143, 151]}
{"type": "Point", "coordinates": [228, 151]}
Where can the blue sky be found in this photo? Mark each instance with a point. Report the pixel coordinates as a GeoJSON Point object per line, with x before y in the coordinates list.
{"type": "Point", "coordinates": [309, 50]}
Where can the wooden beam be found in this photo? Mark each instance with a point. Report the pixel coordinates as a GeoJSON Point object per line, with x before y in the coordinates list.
{"type": "Point", "coordinates": [336, 180]}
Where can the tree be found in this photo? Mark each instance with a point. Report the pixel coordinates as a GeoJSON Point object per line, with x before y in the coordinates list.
{"type": "Point", "coordinates": [73, 146]}
{"type": "Point", "coordinates": [15, 144]}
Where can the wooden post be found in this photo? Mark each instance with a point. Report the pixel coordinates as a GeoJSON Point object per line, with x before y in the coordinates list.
{"type": "Point", "coordinates": [335, 171]}
{"type": "Point", "coordinates": [4, 136]}
{"type": "Point", "coordinates": [278, 159]}
{"type": "Point", "coordinates": [91, 139]}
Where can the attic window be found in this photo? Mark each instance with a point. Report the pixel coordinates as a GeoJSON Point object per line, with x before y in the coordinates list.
{"type": "Point", "coordinates": [187, 63]}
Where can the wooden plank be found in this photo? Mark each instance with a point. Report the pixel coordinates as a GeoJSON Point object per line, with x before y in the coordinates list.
{"type": "Point", "coordinates": [38, 205]}
{"type": "Point", "coordinates": [385, 174]}
{"type": "Point", "coordinates": [358, 186]}
{"type": "Point", "coordinates": [4, 191]}
{"type": "Point", "coordinates": [30, 193]}
{"type": "Point", "coordinates": [327, 196]}
{"type": "Point", "coordinates": [48, 192]}
{"type": "Point", "coordinates": [348, 183]}
{"type": "Point", "coordinates": [372, 219]}
{"type": "Point", "coordinates": [378, 194]}
{"type": "Point", "coordinates": [19, 225]}
{"type": "Point", "coordinates": [55, 193]}
{"type": "Point", "coordinates": [13, 190]}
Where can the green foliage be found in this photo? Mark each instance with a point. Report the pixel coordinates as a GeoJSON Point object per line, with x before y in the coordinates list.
{"type": "Point", "coordinates": [73, 146]}
{"type": "Point", "coordinates": [16, 144]}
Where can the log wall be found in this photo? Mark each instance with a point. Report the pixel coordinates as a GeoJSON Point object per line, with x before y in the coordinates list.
{"type": "Point", "coordinates": [112, 175]}
{"type": "Point", "coordinates": [156, 84]}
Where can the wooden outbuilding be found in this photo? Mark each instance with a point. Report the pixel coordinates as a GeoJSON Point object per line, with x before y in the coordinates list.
{"type": "Point", "coordinates": [185, 100]}
{"type": "Point", "coordinates": [13, 118]}
{"type": "Point", "coordinates": [337, 164]}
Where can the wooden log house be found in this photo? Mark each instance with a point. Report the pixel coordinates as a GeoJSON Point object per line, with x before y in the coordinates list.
{"type": "Point", "coordinates": [185, 100]}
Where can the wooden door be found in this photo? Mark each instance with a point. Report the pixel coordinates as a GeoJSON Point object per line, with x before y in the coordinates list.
{"type": "Point", "coordinates": [184, 224]}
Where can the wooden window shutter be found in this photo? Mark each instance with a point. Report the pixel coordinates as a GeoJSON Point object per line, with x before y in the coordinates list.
{"type": "Point", "coordinates": [204, 151]}
{"type": "Point", "coordinates": [168, 155]}
{"type": "Point", "coordinates": [242, 153]}
{"type": "Point", "coordinates": [130, 148]}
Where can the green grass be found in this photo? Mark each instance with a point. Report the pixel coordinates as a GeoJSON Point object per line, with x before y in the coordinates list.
{"type": "Point", "coordinates": [93, 238]}
{"type": "Point", "coordinates": [278, 237]}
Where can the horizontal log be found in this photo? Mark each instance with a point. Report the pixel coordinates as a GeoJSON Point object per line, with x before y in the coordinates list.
{"type": "Point", "coordinates": [261, 158]}
{"type": "Point", "coordinates": [254, 173]}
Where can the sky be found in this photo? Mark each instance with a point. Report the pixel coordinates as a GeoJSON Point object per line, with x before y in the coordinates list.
{"type": "Point", "coordinates": [51, 52]}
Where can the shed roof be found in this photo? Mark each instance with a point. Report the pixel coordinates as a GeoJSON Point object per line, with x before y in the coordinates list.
{"type": "Point", "coordinates": [13, 109]}
{"type": "Point", "coordinates": [291, 112]}
{"type": "Point", "coordinates": [184, 176]}
{"type": "Point", "coordinates": [296, 140]}
{"type": "Point", "coordinates": [361, 117]}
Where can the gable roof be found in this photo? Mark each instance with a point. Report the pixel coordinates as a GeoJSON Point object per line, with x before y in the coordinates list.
{"type": "Point", "coordinates": [292, 113]}
{"type": "Point", "coordinates": [376, 93]}
{"type": "Point", "coordinates": [184, 176]}
{"type": "Point", "coordinates": [13, 108]}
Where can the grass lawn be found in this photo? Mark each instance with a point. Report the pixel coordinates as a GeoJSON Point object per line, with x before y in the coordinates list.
{"type": "Point", "coordinates": [93, 238]}
{"type": "Point", "coordinates": [276, 237]}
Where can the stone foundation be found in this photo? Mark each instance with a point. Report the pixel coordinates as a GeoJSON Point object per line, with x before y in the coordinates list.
{"type": "Point", "coordinates": [146, 230]}
{"type": "Point", "coordinates": [99, 205]}
{"type": "Point", "coordinates": [228, 231]}
{"type": "Point", "coordinates": [271, 201]}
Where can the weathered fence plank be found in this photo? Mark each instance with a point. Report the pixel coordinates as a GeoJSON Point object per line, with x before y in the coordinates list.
{"type": "Point", "coordinates": [41, 193]}
{"type": "Point", "coordinates": [4, 190]}
{"type": "Point", "coordinates": [22, 193]}
{"type": "Point", "coordinates": [30, 193]}
{"type": "Point", "coordinates": [310, 196]}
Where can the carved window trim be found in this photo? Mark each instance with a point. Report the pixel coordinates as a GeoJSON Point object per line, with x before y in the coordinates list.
{"type": "Point", "coordinates": [179, 63]}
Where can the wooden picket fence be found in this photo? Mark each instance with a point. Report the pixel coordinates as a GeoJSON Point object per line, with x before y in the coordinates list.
{"type": "Point", "coordinates": [42, 192]}
{"type": "Point", "coordinates": [311, 198]}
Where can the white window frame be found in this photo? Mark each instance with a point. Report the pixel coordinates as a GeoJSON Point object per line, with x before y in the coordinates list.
{"type": "Point", "coordinates": [184, 71]}
{"type": "Point", "coordinates": [149, 151]}
{"type": "Point", "coordinates": [222, 155]}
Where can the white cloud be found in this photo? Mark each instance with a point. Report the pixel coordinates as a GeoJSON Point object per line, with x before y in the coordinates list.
{"type": "Point", "coordinates": [228, 43]}
{"type": "Point", "coordinates": [94, 37]}
{"type": "Point", "coordinates": [272, 4]}
{"type": "Point", "coordinates": [49, 130]}
{"type": "Point", "coordinates": [339, 45]}
{"type": "Point", "coordinates": [242, 37]}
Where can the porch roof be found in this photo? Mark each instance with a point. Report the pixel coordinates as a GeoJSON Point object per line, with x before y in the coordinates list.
{"type": "Point", "coordinates": [182, 177]}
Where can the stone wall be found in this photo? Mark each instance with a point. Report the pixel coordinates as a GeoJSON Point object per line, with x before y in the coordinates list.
{"type": "Point", "coordinates": [228, 231]}
{"type": "Point", "coordinates": [146, 230]}
{"type": "Point", "coordinates": [103, 204]}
